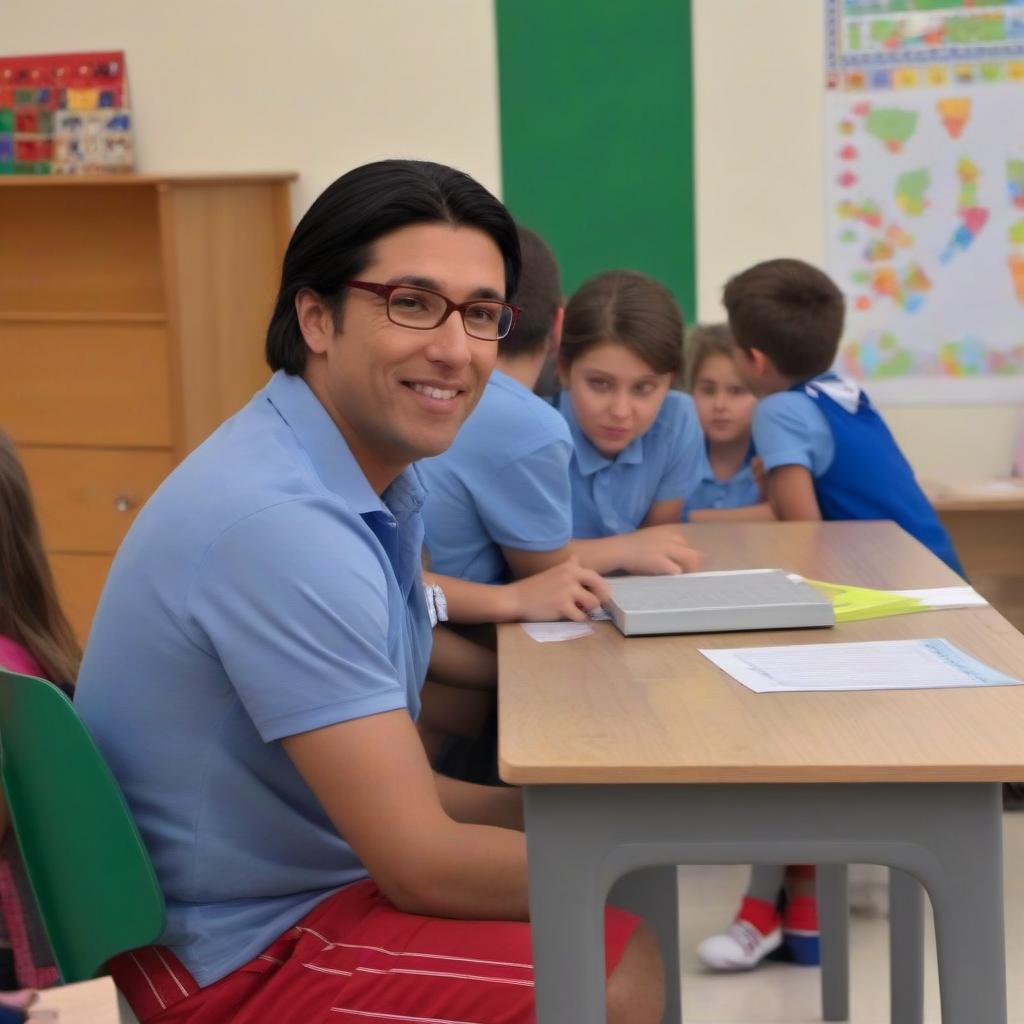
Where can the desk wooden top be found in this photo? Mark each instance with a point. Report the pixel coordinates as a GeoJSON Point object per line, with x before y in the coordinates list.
{"type": "Point", "coordinates": [1002, 494]}
{"type": "Point", "coordinates": [606, 708]}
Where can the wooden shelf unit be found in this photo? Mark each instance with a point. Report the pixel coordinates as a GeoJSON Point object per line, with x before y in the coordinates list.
{"type": "Point", "coordinates": [133, 311]}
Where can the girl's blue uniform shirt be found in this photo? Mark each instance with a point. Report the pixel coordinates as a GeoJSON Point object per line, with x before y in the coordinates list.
{"type": "Point", "coordinates": [739, 491]}
{"type": "Point", "coordinates": [613, 496]}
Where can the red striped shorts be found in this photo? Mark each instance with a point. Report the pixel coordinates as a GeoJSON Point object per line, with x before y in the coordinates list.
{"type": "Point", "coordinates": [355, 959]}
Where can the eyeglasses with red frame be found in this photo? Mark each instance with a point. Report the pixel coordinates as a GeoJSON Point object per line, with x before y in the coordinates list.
{"type": "Point", "coordinates": [423, 309]}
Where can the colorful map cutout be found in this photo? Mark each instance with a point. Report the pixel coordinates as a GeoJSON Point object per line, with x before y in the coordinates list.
{"type": "Point", "coordinates": [973, 218]}
{"type": "Point", "coordinates": [911, 187]}
{"type": "Point", "coordinates": [891, 126]}
{"type": "Point", "coordinates": [954, 112]}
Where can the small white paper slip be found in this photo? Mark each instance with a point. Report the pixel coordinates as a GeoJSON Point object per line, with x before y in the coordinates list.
{"type": "Point", "coordinates": [880, 665]}
{"type": "Point", "coordinates": [946, 597]}
{"type": "Point", "coordinates": [552, 632]}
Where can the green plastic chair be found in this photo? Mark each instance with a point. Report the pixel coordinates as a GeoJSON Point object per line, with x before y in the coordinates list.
{"type": "Point", "coordinates": [92, 878]}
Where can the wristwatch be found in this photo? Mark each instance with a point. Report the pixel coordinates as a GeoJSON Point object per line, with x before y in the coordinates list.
{"type": "Point", "coordinates": [437, 606]}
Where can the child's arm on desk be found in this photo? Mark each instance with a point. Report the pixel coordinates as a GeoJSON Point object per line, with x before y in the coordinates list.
{"type": "Point", "coordinates": [564, 591]}
{"type": "Point", "coordinates": [791, 493]}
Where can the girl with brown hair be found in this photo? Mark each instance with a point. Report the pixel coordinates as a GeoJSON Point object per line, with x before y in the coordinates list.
{"type": "Point", "coordinates": [35, 640]}
{"type": "Point", "coordinates": [638, 444]}
{"type": "Point", "coordinates": [35, 637]}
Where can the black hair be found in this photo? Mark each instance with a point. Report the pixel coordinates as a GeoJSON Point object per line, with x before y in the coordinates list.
{"type": "Point", "coordinates": [539, 298]}
{"type": "Point", "coordinates": [333, 241]}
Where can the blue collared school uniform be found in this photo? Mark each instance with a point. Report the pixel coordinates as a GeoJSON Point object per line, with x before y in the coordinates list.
{"type": "Point", "coordinates": [503, 483]}
{"type": "Point", "coordinates": [613, 496]}
{"type": "Point", "coordinates": [264, 590]}
{"type": "Point", "coordinates": [829, 426]}
{"type": "Point", "coordinates": [739, 491]}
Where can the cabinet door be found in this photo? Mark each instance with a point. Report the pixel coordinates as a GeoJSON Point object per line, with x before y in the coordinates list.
{"type": "Point", "coordinates": [87, 498]}
{"type": "Point", "coordinates": [80, 580]}
{"type": "Point", "coordinates": [85, 383]}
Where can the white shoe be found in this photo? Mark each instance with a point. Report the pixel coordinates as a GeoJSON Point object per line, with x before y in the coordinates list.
{"type": "Point", "coordinates": [739, 948]}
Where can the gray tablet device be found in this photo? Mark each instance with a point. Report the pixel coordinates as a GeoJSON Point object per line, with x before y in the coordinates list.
{"type": "Point", "coordinates": [714, 602]}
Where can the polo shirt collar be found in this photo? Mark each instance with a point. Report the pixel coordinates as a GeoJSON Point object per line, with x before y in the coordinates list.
{"type": "Point", "coordinates": [707, 474]}
{"type": "Point", "coordinates": [503, 380]}
{"type": "Point", "coordinates": [330, 454]}
{"type": "Point", "coordinates": [588, 458]}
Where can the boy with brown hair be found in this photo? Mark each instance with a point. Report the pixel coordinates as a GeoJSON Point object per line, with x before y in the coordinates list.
{"type": "Point", "coordinates": [827, 452]}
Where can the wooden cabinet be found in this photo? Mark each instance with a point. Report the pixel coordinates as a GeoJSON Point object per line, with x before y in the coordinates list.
{"type": "Point", "coordinates": [133, 311]}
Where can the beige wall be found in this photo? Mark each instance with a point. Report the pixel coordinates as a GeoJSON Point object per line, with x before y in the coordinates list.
{"type": "Point", "coordinates": [249, 85]}
{"type": "Point", "coordinates": [760, 193]}
{"type": "Point", "coordinates": [316, 87]}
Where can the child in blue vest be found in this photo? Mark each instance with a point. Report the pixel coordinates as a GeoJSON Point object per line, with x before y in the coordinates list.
{"type": "Point", "coordinates": [729, 488]}
{"type": "Point", "coordinates": [827, 455]}
{"type": "Point", "coordinates": [638, 446]}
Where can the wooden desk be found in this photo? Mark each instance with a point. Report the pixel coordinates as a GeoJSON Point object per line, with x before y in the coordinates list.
{"type": "Point", "coordinates": [986, 521]}
{"type": "Point", "coordinates": [631, 751]}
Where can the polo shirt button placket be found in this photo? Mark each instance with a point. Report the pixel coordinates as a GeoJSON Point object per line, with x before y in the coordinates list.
{"type": "Point", "coordinates": [603, 499]}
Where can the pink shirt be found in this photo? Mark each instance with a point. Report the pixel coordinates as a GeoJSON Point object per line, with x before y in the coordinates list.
{"type": "Point", "coordinates": [14, 657]}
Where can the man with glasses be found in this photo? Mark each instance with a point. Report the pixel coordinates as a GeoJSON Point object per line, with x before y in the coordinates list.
{"type": "Point", "coordinates": [254, 667]}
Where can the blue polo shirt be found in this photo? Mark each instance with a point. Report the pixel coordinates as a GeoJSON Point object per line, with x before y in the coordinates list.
{"type": "Point", "coordinates": [789, 429]}
{"type": "Point", "coordinates": [738, 491]}
{"type": "Point", "coordinates": [829, 426]}
{"type": "Point", "coordinates": [613, 496]}
{"type": "Point", "coordinates": [504, 482]}
{"type": "Point", "coordinates": [264, 590]}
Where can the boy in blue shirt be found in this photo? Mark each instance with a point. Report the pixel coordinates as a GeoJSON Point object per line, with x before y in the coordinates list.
{"type": "Point", "coordinates": [503, 486]}
{"type": "Point", "coordinates": [827, 452]}
{"type": "Point", "coordinates": [827, 455]}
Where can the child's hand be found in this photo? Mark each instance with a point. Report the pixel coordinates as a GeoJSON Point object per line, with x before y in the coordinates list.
{"type": "Point", "coordinates": [565, 591]}
{"type": "Point", "coordinates": [661, 551]}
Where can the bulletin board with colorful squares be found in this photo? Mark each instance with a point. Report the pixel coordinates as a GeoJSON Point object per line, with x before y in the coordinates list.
{"type": "Point", "coordinates": [65, 114]}
{"type": "Point", "coordinates": [910, 44]}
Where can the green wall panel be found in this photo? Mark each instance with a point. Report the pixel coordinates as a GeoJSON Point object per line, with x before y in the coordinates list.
{"type": "Point", "coordinates": [597, 134]}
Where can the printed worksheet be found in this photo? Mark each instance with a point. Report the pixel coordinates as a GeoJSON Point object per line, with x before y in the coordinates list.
{"type": "Point", "coordinates": [881, 665]}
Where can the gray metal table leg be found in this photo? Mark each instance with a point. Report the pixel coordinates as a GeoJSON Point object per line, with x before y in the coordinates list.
{"type": "Point", "coordinates": [582, 838]}
{"type": "Point", "coordinates": [906, 948]}
{"type": "Point", "coordinates": [654, 894]}
{"type": "Point", "coordinates": [966, 890]}
{"type": "Point", "coordinates": [567, 896]}
{"type": "Point", "coordinates": [834, 929]}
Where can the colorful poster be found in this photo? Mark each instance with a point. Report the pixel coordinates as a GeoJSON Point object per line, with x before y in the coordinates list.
{"type": "Point", "coordinates": [926, 232]}
{"type": "Point", "coordinates": [925, 191]}
{"type": "Point", "coordinates": [894, 44]}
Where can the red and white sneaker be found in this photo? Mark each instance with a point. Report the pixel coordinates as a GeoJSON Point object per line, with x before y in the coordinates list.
{"type": "Point", "coordinates": [739, 948]}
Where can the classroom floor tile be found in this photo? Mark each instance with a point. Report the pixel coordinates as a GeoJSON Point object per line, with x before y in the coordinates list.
{"type": "Point", "coordinates": [786, 994]}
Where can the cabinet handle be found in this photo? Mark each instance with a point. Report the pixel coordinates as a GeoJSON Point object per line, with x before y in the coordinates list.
{"type": "Point", "coordinates": [123, 504]}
